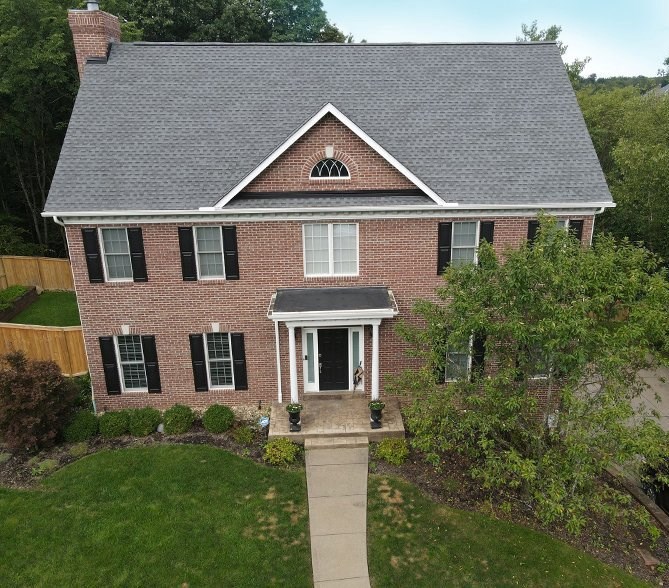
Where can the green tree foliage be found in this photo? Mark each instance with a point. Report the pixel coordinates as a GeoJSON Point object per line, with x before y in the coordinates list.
{"type": "Point", "coordinates": [588, 319]}
{"type": "Point", "coordinates": [533, 33]}
{"type": "Point", "coordinates": [630, 132]}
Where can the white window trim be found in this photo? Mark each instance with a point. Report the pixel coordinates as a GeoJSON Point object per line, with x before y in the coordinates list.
{"type": "Point", "coordinates": [104, 255]}
{"type": "Point", "coordinates": [197, 252]}
{"type": "Point", "coordinates": [232, 363]}
{"type": "Point", "coordinates": [119, 365]}
{"type": "Point", "coordinates": [361, 350]}
{"type": "Point", "coordinates": [469, 362]}
{"type": "Point", "coordinates": [348, 169]}
{"type": "Point", "coordinates": [331, 273]}
{"type": "Point", "coordinates": [477, 239]}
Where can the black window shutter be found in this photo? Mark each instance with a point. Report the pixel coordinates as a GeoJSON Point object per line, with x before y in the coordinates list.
{"type": "Point", "coordinates": [487, 231]}
{"type": "Point", "coordinates": [109, 365]}
{"type": "Point", "coordinates": [230, 256]}
{"type": "Point", "coordinates": [151, 363]}
{"type": "Point", "coordinates": [444, 251]}
{"type": "Point", "coordinates": [199, 365]}
{"type": "Point", "coordinates": [532, 228]}
{"type": "Point", "coordinates": [478, 356]}
{"type": "Point", "coordinates": [576, 229]}
{"type": "Point", "coordinates": [137, 258]}
{"type": "Point", "coordinates": [187, 247]}
{"type": "Point", "coordinates": [239, 361]}
{"type": "Point", "coordinates": [93, 257]}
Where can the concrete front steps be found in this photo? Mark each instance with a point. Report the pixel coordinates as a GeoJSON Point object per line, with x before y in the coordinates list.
{"type": "Point", "coordinates": [337, 493]}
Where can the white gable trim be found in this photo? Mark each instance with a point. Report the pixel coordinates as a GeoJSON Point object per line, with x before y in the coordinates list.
{"type": "Point", "coordinates": [328, 109]}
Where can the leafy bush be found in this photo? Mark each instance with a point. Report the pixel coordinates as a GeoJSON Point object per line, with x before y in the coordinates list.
{"type": "Point", "coordinates": [82, 427]}
{"type": "Point", "coordinates": [114, 424]}
{"type": "Point", "coordinates": [243, 435]}
{"type": "Point", "coordinates": [9, 295]}
{"type": "Point", "coordinates": [281, 451]}
{"type": "Point", "coordinates": [393, 450]}
{"type": "Point", "coordinates": [36, 402]}
{"type": "Point", "coordinates": [143, 421]}
{"type": "Point", "coordinates": [218, 418]}
{"type": "Point", "coordinates": [84, 399]}
{"type": "Point", "coordinates": [178, 419]}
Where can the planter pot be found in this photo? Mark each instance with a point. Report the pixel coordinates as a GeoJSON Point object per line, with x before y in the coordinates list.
{"type": "Point", "coordinates": [375, 418]}
{"type": "Point", "coordinates": [295, 422]}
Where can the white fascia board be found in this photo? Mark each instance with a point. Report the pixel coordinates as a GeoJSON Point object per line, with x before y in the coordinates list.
{"type": "Point", "coordinates": [334, 111]}
{"type": "Point", "coordinates": [358, 315]}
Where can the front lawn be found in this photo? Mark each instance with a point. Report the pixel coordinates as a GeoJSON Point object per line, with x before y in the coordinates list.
{"type": "Point", "coordinates": [413, 541]}
{"type": "Point", "coordinates": [51, 309]}
{"type": "Point", "coordinates": [158, 516]}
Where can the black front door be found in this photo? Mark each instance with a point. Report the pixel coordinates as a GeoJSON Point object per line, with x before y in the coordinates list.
{"type": "Point", "coordinates": [333, 359]}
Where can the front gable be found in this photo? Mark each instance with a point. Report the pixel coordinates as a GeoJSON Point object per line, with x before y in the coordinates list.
{"type": "Point", "coordinates": [292, 170]}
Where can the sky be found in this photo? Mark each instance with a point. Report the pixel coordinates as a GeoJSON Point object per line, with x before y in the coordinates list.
{"type": "Point", "coordinates": [622, 37]}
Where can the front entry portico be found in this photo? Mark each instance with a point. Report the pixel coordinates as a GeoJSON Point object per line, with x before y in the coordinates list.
{"type": "Point", "coordinates": [332, 323]}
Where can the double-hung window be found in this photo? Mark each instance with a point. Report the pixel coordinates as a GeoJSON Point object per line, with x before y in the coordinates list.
{"type": "Point", "coordinates": [464, 243]}
{"type": "Point", "coordinates": [331, 249]}
{"type": "Point", "coordinates": [219, 360]}
{"type": "Point", "coordinates": [458, 363]}
{"type": "Point", "coordinates": [131, 362]}
{"type": "Point", "coordinates": [209, 249]}
{"type": "Point", "coordinates": [116, 255]}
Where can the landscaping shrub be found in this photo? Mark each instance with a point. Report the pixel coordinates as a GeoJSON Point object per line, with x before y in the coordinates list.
{"type": "Point", "coordinates": [218, 418]}
{"type": "Point", "coordinates": [178, 419]}
{"type": "Point", "coordinates": [9, 295]}
{"type": "Point", "coordinates": [281, 451]}
{"type": "Point", "coordinates": [82, 427]}
{"type": "Point", "coordinates": [114, 424]}
{"type": "Point", "coordinates": [36, 402]}
{"type": "Point", "coordinates": [84, 400]}
{"type": "Point", "coordinates": [393, 450]}
{"type": "Point", "coordinates": [143, 421]}
{"type": "Point", "coordinates": [243, 435]}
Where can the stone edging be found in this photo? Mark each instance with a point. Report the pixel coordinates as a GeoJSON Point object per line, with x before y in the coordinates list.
{"type": "Point", "coordinates": [20, 304]}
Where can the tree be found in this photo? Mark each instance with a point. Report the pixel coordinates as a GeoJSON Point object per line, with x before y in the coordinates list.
{"type": "Point", "coordinates": [552, 33]}
{"type": "Point", "coordinates": [585, 321]}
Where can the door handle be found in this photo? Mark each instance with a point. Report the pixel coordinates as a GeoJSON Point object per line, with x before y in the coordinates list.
{"type": "Point", "coordinates": [320, 367]}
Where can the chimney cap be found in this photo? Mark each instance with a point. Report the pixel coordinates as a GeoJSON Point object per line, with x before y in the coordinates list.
{"type": "Point", "coordinates": [93, 5]}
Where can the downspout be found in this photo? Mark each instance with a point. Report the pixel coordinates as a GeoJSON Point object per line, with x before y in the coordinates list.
{"type": "Point", "coordinates": [592, 231]}
{"type": "Point", "coordinates": [278, 360]}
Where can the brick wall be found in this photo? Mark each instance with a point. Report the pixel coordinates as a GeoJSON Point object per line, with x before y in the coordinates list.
{"type": "Point", "coordinates": [399, 254]}
{"type": "Point", "coordinates": [92, 31]}
{"type": "Point", "coordinates": [368, 170]}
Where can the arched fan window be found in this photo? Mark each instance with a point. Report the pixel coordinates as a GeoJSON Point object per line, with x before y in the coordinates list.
{"type": "Point", "coordinates": [330, 168]}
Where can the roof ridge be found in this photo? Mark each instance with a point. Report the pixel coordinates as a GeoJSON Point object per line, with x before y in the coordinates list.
{"type": "Point", "coordinates": [314, 44]}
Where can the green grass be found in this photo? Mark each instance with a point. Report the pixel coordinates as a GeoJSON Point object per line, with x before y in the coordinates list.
{"type": "Point", "coordinates": [9, 295]}
{"type": "Point", "coordinates": [52, 309]}
{"type": "Point", "coordinates": [158, 516]}
{"type": "Point", "coordinates": [413, 541]}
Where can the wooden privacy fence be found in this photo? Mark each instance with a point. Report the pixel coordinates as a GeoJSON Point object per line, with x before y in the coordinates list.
{"type": "Point", "coordinates": [47, 273]}
{"type": "Point", "coordinates": [64, 345]}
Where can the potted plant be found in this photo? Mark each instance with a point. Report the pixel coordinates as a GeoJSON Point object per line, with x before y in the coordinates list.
{"type": "Point", "coordinates": [375, 408]}
{"type": "Point", "coordinates": [294, 409]}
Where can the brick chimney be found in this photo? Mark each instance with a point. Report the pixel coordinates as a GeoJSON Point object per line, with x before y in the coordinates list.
{"type": "Point", "coordinates": [92, 31]}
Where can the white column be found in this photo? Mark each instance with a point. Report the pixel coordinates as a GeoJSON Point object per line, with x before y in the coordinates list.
{"type": "Point", "coordinates": [278, 360]}
{"type": "Point", "coordinates": [293, 364]}
{"type": "Point", "coordinates": [375, 361]}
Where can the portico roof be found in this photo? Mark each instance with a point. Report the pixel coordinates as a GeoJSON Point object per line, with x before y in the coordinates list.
{"type": "Point", "coordinates": [363, 302]}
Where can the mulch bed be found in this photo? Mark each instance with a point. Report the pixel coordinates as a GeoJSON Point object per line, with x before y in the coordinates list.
{"type": "Point", "coordinates": [610, 541]}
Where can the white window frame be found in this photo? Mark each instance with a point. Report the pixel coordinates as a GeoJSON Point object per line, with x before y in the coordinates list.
{"type": "Point", "coordinates": [232, 362]}
{"type": "Point", "coordinates": [104, 254]}
{"type": "Point", "coordinates": [331, 273]}
{"type": "Point", "coordinates": [331, 178]}
{"type": "Point", "coordinates": [197, 252]}
{"type": "Point", "coordinates": [476, 240]}
{"type": "Point", "coordinates": [119, 365]}
{"type": "Point", "coordinates": [469, 361]}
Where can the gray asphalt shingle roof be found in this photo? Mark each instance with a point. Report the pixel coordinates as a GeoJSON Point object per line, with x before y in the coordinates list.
{"type": "Point", "coordinates": [332, 299]}
{"type": "Point", "coordinates": [177, 126]}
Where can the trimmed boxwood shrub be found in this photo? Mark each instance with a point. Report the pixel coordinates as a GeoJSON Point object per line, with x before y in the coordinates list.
{"type": "Point", "coordinates": [281, 451]}
{"type": "Point", "coordinates": [218, 418]}
{"type": "Point", "coordinates": [114, 424]}
{"type": "Point", "coordinates": [82, 427]}
{"type": "Point", "coordinates": [178, 419]}
{"type": "Point", "coordinates": [143, 421]}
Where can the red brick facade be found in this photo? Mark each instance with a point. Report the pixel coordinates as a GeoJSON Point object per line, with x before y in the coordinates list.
{"type": "Point", "coordinates": [92, 31]}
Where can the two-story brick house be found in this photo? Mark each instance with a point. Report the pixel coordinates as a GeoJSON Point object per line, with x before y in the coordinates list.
{"type": "Point", "coordinates": [248, 222]}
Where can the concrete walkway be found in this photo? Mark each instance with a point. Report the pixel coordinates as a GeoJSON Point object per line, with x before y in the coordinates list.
{"type": "Point", "coordinates": [337, 491]}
